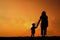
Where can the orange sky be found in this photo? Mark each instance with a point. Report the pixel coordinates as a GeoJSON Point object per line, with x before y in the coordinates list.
{"type": "Point", "coordinates": [17, 16]}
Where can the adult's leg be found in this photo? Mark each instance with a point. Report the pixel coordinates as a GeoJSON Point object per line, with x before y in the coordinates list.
{"type": "Point", "coordinates": [41, 31]}
{"type": "Point", "coordinates": [45, 31]}
{"type": "Point", "coordinates": [31, 33]}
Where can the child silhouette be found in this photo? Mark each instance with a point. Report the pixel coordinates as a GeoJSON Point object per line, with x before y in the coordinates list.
{"type": "Point", "coordinates": [33, 29]}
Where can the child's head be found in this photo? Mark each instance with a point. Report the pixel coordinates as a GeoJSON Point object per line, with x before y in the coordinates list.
{"type": "Point", "coordinates": [33, 24]}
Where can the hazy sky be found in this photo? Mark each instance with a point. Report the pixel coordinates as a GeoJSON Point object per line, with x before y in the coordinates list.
{"type": "Point", "coordinates": [17, 16]}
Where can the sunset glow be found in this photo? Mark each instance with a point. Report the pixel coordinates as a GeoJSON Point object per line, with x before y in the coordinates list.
{"type": "Point", "coordinates": [17, 16]}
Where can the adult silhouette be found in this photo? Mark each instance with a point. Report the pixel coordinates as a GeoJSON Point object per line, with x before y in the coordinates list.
{"type": "Point", "coordinates": [44, 23]}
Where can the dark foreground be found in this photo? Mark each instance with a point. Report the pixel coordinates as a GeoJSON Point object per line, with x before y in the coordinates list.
{"type": "Point", "coordinates": [31, 38]}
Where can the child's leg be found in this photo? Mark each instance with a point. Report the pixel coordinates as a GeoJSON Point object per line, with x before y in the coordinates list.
{"type": "Point", "coordinates": [32, 35]}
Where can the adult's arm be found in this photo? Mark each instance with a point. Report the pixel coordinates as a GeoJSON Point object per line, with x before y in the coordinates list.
{"type": "Point", "coordinates": [38, 23]}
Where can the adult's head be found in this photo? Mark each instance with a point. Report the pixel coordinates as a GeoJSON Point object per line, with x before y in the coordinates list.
{"type": "Point", "coordinates": [43, 13]}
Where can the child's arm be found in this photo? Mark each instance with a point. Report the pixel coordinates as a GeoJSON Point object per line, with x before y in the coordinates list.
{"type": "Point", "coordinates": [35, 26]}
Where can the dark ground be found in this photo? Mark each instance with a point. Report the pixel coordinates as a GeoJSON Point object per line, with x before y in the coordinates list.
{"type": "Point", "coordinates": [31, 38]}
